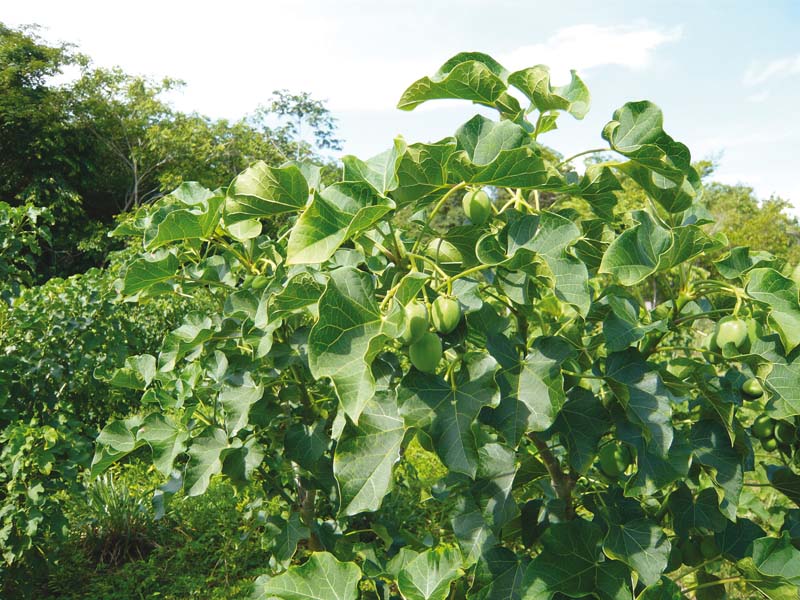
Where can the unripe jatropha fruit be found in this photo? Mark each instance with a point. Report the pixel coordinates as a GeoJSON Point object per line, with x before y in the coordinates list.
{"type": "Point", "coordinates": [763, 427]}
{"type": "Point", "coordinates": [752, 388]}
{"type": "Point", "coordinates": [784, 432]}
{"type": "Point", "coordinates": [731, 331]}
{"type": "Point", "coordinates": [770, 444]}
{"type": "Point", "coordinates": [443, 251]}
{"type": "Point", "coordinates": [614, 459]}
{"type": "Point", "coordinates": [416, 322]}
{"type": "Point", "coordinates": [477, 206]}
{"type": "Point", "coordinates": [426, 352]}
{"type": "Point", "coordinates": [445, 314]}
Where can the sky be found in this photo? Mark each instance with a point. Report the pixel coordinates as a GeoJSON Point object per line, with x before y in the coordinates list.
{"type": "Point", "coordinates": [726, 73]}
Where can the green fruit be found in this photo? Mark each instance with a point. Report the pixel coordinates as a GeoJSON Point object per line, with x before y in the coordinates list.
{"type": "Point", "coordinates": [763, 427]}
{"type": "Point", "coordinates": [443, 251]}
{"type": "Point", "coordinates": [445, 314]}
{"type": "Point", "coordinates": [614, 459]}
{"type": "Point", "coordinates": [769, 444]}
{"type": "Point", "coordinates": [784, 432]}
{"type": "Point", "coordinates": [426, 352]}
{"type": "Point", "coordinates": [416, 322]}
{"type": "Point", "coordinates": [690, 552]}
{"type": "Point", "coordinates": [477, 206]}
{"type": "Point", "coordinates": [731, 331]}
{"type": "Point", "coordinates": [752, 388]}
{"type": "Point", "coordinates": [709, 547]}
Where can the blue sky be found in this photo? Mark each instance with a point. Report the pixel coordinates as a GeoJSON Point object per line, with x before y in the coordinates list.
{"type": "Point", "coordinates": [726, 73]}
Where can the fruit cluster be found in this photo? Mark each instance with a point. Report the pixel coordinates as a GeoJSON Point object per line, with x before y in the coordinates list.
{"type": "Point", "coordinates": [424, 345]}
{"type": "Point", "coordinates": [775, 433]}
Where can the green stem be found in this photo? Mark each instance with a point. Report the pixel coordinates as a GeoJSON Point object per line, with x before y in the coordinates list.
{"type": "Point", "coordinates": [562, 483]}
{"type": "Point", "coordinates": [435, 210]}
{"type": "Point", "coordinates": [431, 262]}
{"type": "Point", "coordinates": [579, 154]}
{"type": "Point", "coordinates": [703, 586]}
{"type": "Point", "coordinates": [466, 273]}
{"type": "Point", "coordinates": [699, 567]}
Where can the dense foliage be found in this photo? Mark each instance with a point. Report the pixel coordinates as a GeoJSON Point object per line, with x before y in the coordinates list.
{"type": "Point", "coordinates": [88, 143]}
{"type": "Point", "coordinates": [596, 439]}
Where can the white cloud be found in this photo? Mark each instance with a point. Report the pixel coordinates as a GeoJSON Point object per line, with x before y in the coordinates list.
{"type": "Point", "coordinates": [759, 97]}
{"type": "Point", "coordinates": [758, 72]}
{"type": "Point", "coordinates": [359, 56]}
{"type": "Point", "coordinates": [587, 46]}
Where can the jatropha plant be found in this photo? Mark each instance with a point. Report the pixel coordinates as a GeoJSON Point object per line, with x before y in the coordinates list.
{"type": "Point", "coordinates": [607, 390]}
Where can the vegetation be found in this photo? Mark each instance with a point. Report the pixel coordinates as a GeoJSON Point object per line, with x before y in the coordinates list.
{"type": "Point", "coordinates": [460, 370]}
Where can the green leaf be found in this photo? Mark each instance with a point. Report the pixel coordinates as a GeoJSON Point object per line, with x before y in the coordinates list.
{"type": "Point", "coordinates": [494, 481]}
{"type": "Point", "coordinates": [349, 334]}
{"type": "Point", "coordinates": [335, 215]}
{"type": "Point", "coordinates": [447, 413]}
{"type": "Point", "coordinates": [741, 259]}
{"type": "Point", "coordinates": [572, 563]}
{"type": "Point", "coordinates": [379, 171]}
{"type": "Point", "coordinates": [569, 275]}
{"type": "Point", "coordinates": [777, 557]}
{"type": "Point", "coordinates": [538, 383]}
{"type": "Point", "coordinates": [534, 82]}
{"type": "Point", "coordinates": [289, 534]}
{"type": "Point", "coordinates": [785, 481]}
{"type": "Point", "coordinates": [185, 224]}
{"type": "Point", "coordinates": [622, 326]}
{"type": "Point", "coordinates": [205, 460]}
{"type": "Point", "coordinates": [166, 439]}
{"type": "Point", "coordinates": [713, 448]}
{"type": "Point", "coordinates": [301, 291]}
{"type": "Point", "coordinates": [485, 139]}
{"type": "Point", "coordinates": [646, 399]}
{"type": "Point", "coordinates": [735, 541]}
{"type": "Point", "coordinates": [658, 163]}
{"type": "Point", "coordinates": [784, 380]}
{"type": "Point", "coordinates": [701, 513]}
{"type": "Point", "coordinates": [779, 293]}
{"type": "Point", "coordinates": [115, 442]}
{"type": "Point", "coordinates": [474, 535]}
{"type": "Point", "coordinates": [500, 573]}
{"type": "Point", "coordinates": [665, 589]}
{"type": "Point", "coordinates": [642, 545]}
{"type": "Point", "coordinates": [321, 577]}
{"type": "Point", "coordinates": [423, 173]}
{"type": "Point", "coordinates": [237, 400]}
{"type": "Point", "coordinates": [306, 444]}
{"type": "Point", "coordinates": [366, 453]}
{"type": "Point", "coordinates": [147, 272]}
{"type": "Point", "coordinates": [523, 167]}
{"type": "Point", "coordinates": [137, 373]}
{"type": "Point", "coordinates": [261, 190]}
{"type": "Point", "coordinates": [654, 471]}
{"type": "Point", "coordinates": [429, 575]}
{"type": "Point", "coordinates": [581, 424]}
{"type": "Point", "coordinates": [649, 248]}
{"type": "Point", "coordinates": [598, 186]}
{"type": "Point", "coordinates": [467, 76]}
{"type": "Point", "coordinates": [546, 238]}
